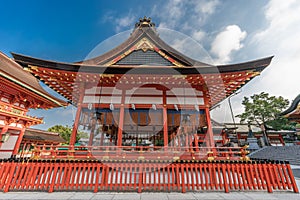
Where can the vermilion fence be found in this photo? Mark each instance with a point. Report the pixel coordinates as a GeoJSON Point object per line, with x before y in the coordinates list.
{"type": "Point", "coordinates": [139, 176]}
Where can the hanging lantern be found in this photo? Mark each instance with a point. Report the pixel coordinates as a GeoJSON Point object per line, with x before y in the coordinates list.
{"type": "Point", "coordinates": [196, 107]}
{"type": "Point", "coordinates": [111, 106]}
{"type": "Point", "coordinates": [176, 107]}
{"type": "Point", "coordinates": [153, 106]}
{"type": "Point", "coordinates": [90, 106]}
{"type": "Point", "coordinates": [186, 118]}
{"type": "Point", "coordinates": [133, 106]}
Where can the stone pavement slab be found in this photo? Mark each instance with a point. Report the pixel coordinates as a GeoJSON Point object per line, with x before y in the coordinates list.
{"type": "Point", "coordinates": [208, 195]}
{"type": "Point", "coordinates": [103, 196]}
{"type": "Point", "coordinates": [152, 196]}
{"type": "Point", "coordinates": [81, 195]}
{"type": "Point", "coordinates": [127, 196]}
{"type": "Point", "coordinates": [180, 196]}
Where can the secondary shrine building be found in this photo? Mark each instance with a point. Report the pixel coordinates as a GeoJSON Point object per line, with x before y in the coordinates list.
{"type": "Point", "coordinates": [143, 92]}
{"type": "Point", "coordinates": [19, 92]}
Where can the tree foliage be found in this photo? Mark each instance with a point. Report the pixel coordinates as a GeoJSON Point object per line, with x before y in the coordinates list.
{"type": "Point", "coordinates": [263, 109]}
{"type": "Point", "coordinates": [282, 123]}
{"type": "Point", "coordinates": [65, 132]}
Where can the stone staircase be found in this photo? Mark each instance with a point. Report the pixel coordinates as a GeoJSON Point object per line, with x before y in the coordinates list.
{"type": "Point", "coordinates": [281, 153]}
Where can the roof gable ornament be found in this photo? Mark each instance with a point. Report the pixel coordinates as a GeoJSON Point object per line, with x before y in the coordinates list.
{"type": "Point", "coordinates": [144, 22]}
{"type": "Point", "coordinates": [145, 45]}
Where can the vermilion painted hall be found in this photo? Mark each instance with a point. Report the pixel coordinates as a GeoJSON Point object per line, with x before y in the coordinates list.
{"type": "Point", "coordinates": [143, 89]}
{"type": "Point", "coordinates": [147, 109]}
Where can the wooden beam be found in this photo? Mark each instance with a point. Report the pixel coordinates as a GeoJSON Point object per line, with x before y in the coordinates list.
{"type": "Point", "coordinates": [77, 117]}
{"type": "Point", "coordinates": [143, 106]}
{"type": "Point", "coordinates": [92, 132]}
{"type": "Point", "coordinates": [121, 119]}
{"type": "Point", "coordinates": [209, 129]}
{"type": "Point", "coordinates": [19, 140]}
{"type": "Point", "coordinates": [4, 129]}
{"type": "Point", "coordinates": [165, 118]}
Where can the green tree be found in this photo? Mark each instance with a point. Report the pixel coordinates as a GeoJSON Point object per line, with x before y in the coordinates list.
{"type": "Point", "coordinates": [282, 123]}
{"type": "Point", "coordinates": [263, 110]}
{"type": "Point", "coordinates": [65, 132]}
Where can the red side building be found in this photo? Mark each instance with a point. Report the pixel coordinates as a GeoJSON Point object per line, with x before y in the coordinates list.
{"type": "Point", "coordinates": [19, 91]}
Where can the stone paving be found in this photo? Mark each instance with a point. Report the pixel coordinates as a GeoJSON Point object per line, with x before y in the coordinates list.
{"type": "Point", "coordinates": [152, 196]}
{"type": "Point", "coordinates": [251, 195]}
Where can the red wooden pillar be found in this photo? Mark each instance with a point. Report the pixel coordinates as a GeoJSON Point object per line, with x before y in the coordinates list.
{"type": "Point", "coordinates": [91, 138]}
{"type": "Point", "coordinates": [19, 140]}
{"type": "Point", "coordinates": [23, 149]}
{"type": "Point", "coordinates": [208, 121]}
{"type": "Point", "coordinates": [101, 139]}
{"type": "Point", "coordinates": [121, 119]}
{"type": "Point", "coordinates": [77, 116]}
{"type": "Point", "coordinates": [4, 129]}
{"type": "Point", "coordinates": [165, 118]}
{"type": "Point", "coordinates": [209, 126]}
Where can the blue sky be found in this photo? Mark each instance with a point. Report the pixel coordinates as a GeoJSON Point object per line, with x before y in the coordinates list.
{"type": "Point", "coordinates": [229, 31]}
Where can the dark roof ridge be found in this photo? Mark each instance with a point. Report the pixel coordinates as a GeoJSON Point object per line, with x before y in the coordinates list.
{"type": "Point", "coordinates": [13, 71]}
{"type": "Point", "coordinates": [256, 65]}
{"type": "Point", "coordinates": [42, 131]}
{"type": "Point", "coordinates": [292, 107]}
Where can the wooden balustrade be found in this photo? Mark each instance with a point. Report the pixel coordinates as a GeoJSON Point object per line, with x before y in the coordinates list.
{"type": "Point", "coordinates": [18, 112]}
{"type": "Point", "coordinates": [137, 152]}
{"type": "Point", "coordinates": [140, 176]}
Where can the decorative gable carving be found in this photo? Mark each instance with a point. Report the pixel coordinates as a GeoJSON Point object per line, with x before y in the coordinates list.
{"type": "Point", "coordinates": [133, 57]}
{"type": "Point", "coordinates": [144, 44]}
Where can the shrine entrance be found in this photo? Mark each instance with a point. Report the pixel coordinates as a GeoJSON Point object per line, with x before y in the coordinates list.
{"type": "Point", "coordinates": [143, 127]}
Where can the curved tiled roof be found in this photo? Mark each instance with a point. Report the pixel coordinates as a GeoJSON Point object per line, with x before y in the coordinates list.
{"type": "Point", "coordinates": [143, 54]}
{"type": "Point", "coordinates": [293, 106]}
{"type": "Point", "coordinates": [256, 65]}
{"type": "Point", "coordinates": [13, 72]}
{"type": "Point", "coordinates": [43, 136]}
{"type": "Point", "coordinates": [143, 29]}
{"type": "Point", "coordinates": [281, 153]}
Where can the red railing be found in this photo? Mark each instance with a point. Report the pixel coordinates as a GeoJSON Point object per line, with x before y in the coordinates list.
{"type": "Point", "coordinates": [136, 153]}
{"type": "Point", "coordinates": [139, 176]}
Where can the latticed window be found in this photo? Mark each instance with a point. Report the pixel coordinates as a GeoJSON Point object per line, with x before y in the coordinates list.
{"type": "Point", "coordinates": [140, 57]}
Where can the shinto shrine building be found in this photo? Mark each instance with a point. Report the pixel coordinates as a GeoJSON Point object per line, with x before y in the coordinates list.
{"type": "Point", "coordinates": [143, 92]}
{"type": "Point", "coordinates": [147, 109]}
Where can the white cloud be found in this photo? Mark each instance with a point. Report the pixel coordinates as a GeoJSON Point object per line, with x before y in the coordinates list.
{"type": "Point", "coordinates": [121, 22]}
{"type": "Point", "coordinates": [64, 112]}
{"type": "Point", "coordinates": [175, 10]}
{"type": "Point", "coordinates": [187, 45]}
{"type": "Point", "coordinates": [281, 39]}
{"type": "Point", "coordinates": [185, 16]}
{"type": "Point", "coordinates": [226, 42]}
{"type": "Point", "coordinates": [198, 35]}
{"type": "Point", "coordinates": [170, 13]}
{"type": "Point", "coordinates": [125, 22]}
{"type": "Point", "coordinates": [207, 7]}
